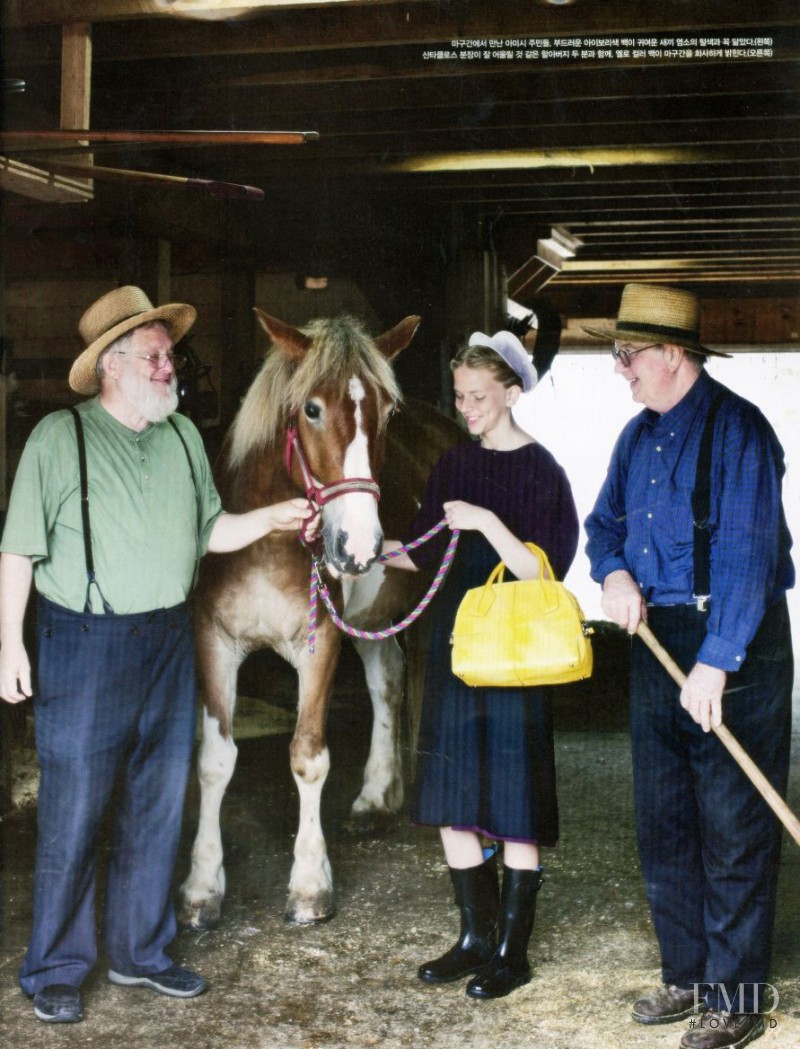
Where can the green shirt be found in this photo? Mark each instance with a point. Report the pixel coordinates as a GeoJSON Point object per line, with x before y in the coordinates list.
{"type": "Point", "coordinates": [148, 524]}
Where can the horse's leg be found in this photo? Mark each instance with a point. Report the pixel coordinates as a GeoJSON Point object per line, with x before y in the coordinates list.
{"type": "Point", "coordinates": [382, 792]}
{"type": "Point", "coordinates": [311, 897]}
{"type": "Point", "coordinates": [202, 893]}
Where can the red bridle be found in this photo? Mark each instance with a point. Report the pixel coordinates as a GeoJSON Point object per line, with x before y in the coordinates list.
{"type": "Point", "coordinates": [320, 494]}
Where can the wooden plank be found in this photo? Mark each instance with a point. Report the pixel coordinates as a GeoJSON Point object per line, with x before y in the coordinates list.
{"type": "Point", "coordinates": [29, 181]}
{"type": "Point", "coordinates": [25, 141]}
{"type": "Point", "coordinates": [229, 190]}
{"type": "Point", "coordinates": [76, 81]}
{"type": "Point", "coordinates": [76, 68]}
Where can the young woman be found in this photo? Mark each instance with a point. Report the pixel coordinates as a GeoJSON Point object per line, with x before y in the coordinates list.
{"type": "Point", "coordinates": [486, 765]}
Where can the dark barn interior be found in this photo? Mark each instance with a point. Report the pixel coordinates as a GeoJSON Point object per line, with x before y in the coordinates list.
{"type": "Point", "coordinates": [480, 163]}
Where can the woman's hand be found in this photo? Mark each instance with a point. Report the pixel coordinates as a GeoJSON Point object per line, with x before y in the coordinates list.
{"type": "Point", "coordinates": [513, 553]}
{"type": "Point", "coordinates": [467, 516]}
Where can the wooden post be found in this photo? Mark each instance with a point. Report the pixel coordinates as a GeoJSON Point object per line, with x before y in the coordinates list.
{"type": "Point", "coordinates": [76, 81]}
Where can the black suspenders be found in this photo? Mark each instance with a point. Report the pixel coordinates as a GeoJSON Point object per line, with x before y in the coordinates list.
{"type": "Point", "coordinates": [87, 532]}
{"type": "Point", "coordinates": [701, 508]}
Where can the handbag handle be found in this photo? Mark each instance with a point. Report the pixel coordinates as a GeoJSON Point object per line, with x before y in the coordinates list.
{"type": "Point", "coordinates": [498, 576]}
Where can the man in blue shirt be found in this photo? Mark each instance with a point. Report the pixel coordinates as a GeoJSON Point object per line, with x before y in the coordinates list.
{"type": "Point", "coordinates": [714, 594]}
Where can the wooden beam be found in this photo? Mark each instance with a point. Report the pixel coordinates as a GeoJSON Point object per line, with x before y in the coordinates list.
{"type": "Point", "coordinates": [21, 141]}
{"type": "Point", "coordinates": [229, 190]}
{"type": "Point", "coordinates": [76, 70]}
{"type": "Point", "coordinates": [76, 81]}
{"type": "Point", "coordinates": [17, 177]}
{"type": "Point", "coordinates": [47, 185]}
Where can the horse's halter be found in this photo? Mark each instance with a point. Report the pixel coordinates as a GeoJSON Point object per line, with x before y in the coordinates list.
{"type": "Point", "coordinates": [320, 494]}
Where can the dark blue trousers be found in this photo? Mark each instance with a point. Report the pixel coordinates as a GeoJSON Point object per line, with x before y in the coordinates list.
{"type": "Point", "coordinates": [114, 714]}
{"type": "Point", "coordinates": [709, 844]}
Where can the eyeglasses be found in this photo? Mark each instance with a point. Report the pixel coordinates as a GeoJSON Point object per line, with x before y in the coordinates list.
{"type": "Point", "coordinates": [619, 353]}
{"type": "Point", "coordinates": [157, 361]}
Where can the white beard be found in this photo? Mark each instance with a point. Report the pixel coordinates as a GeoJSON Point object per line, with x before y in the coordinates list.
{"type": "Point", "coordinates": [154, 401]}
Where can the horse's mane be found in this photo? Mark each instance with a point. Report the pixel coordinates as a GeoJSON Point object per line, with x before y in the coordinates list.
{"type": "Point", "coordinates": [340, 349]}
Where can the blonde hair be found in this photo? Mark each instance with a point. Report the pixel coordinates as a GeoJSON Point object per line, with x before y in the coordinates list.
{"type": "Point", "coordinates": [485, 357]}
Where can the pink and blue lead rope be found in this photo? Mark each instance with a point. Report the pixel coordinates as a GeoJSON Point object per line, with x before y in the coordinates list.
{"type": "Point", "coordinates": [318, 588]}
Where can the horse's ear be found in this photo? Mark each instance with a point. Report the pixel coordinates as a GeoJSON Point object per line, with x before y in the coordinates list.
{"type": "Point", "coordinates": [291, 342]}
{"type": "Point", "coordinates": [395, 340]}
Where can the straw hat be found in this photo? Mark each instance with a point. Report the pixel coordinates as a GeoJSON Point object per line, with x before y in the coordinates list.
{"type": "Point", "coordinates": [651, 313]}
{"type": "Point", "coordinates": [115, 313]}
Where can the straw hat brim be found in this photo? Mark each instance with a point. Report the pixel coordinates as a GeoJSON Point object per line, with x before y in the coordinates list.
{"type": "Point", "coordinates": [622, 333]}
{"type": "Point", "coordinates": [178, 316]}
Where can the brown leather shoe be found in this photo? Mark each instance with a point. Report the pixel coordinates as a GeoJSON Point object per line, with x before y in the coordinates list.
{"type": "Point", "coordinates": [720, 1030]}
{"type": "Point", "coordinates": [666, 1005]}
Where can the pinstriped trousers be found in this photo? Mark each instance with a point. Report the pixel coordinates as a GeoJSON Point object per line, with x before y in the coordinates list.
{"type": "Point", "coordinates": [114, 714]}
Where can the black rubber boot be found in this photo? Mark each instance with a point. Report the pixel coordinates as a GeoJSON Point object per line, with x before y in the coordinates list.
{"type": "Point", "coordinates": [477, 896]}
{"type": "Point", "coordinates": [508, 967]}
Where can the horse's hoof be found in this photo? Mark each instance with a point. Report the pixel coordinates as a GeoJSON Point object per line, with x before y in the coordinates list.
{"type": "Point", "coordinates": [309, 912]}
{"type": "Point", "coordinates": [200, 916]}
{"type": "Point", "coordinates": [198, 925]}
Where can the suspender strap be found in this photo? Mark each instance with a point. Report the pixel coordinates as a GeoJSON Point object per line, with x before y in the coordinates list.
{"type": "Point", "coordinates": [87, 532]}
{"type": "Point", "coordinates": [175, 427]}
{"type": "Point", "coordinates": [701, 508]}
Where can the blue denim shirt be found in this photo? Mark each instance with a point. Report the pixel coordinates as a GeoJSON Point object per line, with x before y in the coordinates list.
{"type": "Point", "coordinates": [642, 520]}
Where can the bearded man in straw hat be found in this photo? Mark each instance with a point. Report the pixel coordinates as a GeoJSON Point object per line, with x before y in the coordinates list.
{"type": "Point", "coordinates": [115, 698]}
{"type": "Point", "coordinates": [711, 582]}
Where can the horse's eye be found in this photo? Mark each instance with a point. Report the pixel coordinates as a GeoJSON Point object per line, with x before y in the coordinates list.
{"type": "Point", "coordinates": [312, 411]}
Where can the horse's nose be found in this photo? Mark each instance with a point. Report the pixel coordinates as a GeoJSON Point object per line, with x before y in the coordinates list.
{"type": "Point", "coordinates": [345, 561]}
{"type": "Point", "coordinates": [340, 548]}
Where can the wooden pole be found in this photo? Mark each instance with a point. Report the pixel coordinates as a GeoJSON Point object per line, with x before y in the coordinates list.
{"type": "Point", "coordinates": [231, 190]}
{"type": "Point", "coordinates": [742, 758]}
{"type": "Point", "coordinates": [19, 141]}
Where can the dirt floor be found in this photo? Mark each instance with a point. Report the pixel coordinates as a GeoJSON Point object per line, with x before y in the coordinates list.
{"type": "Point", "coordinates": [351, 982]}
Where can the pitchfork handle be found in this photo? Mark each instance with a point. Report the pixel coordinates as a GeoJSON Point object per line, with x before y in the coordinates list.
{"type": "Point", "coordinates": [742, 758]}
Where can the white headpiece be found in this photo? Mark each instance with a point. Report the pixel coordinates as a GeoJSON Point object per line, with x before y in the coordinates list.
{"type": "Point", "coordinates": [512, 351]}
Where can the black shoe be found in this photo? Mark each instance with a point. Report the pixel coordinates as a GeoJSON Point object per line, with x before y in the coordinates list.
{"type": "Point", "coordinates": [508, 967]}
{"type": "Point", "coordinates": [456, 963]}
{"type": "Point", "coordinates": [176, 982]}
{"type": "Point", "coordinates": [666, 1005]}
{"type": "Point", "coordinates": [477, 896]}
{"type": "Point", "coordinates": [496, 980]}
{"type": "Point", "coordinates": [58, 1004]}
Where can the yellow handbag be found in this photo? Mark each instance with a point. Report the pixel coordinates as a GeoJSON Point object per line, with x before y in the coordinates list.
{"type": "Point", "coordinates": [519, 634]}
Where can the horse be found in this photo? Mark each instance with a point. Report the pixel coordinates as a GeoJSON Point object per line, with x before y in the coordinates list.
{"type": "Point", "coordinates": [314, 420]}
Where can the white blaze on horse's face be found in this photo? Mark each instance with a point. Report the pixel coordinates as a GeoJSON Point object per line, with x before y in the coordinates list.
{"type": "Point", "coordinates": [351, 528]}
